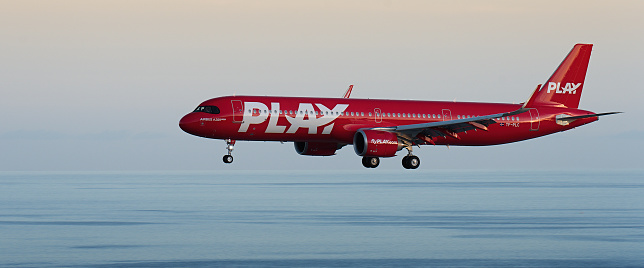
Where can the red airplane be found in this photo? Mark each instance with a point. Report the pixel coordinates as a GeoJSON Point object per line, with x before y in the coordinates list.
{"type": "Point", "coordinates": [380, 128]}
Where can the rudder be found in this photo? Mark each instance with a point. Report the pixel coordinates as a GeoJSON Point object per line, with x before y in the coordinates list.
{"type": "Point", "coordinates": [563, 88]}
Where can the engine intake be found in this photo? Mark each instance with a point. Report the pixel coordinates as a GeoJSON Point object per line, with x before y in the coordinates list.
{"type": "Point", "coordinates": [376, 143]}
{"type": "Point", "coordinates": [316, 148]}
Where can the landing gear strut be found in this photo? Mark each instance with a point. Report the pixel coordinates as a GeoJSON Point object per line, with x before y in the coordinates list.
{"type": "Point", "coordinates": [410, 161]}
{"type": "Point", "coordinates": [230, 145]}
{"type": "Point", "coordinates": [370, 161]}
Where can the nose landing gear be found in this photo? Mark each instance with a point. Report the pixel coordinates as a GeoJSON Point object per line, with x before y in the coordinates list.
{"type": "Point", "coordinates": [230, 145]}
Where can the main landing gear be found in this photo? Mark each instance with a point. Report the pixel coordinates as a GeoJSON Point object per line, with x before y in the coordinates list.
{"type": "Point", "coordinates": [370, 161]}
{"type": "Point", "coordinates": [230, 145]}
{"type": "Point", "coordinates": [410, 161]}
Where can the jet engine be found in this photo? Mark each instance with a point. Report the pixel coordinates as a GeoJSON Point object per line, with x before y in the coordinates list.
{"type": "Point", "coordinates": [316, 148]}
{"type": "Point", "coordinates": [376, 143]}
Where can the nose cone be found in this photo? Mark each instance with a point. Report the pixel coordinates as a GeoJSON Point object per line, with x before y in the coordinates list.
{"type": "Point", "coordinates": [190, 124]}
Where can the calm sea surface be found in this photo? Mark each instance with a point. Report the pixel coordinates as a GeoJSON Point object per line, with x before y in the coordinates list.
{"type": "Point", "coordinates": [370, 218]}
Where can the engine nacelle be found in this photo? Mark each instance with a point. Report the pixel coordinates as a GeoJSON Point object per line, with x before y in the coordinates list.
{"type": "Point", "coordinates": [376, 143]}
{"type": "Point", "coordinates": [316, 148]}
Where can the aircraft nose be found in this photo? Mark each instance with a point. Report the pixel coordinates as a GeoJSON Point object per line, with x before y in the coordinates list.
{"type": "Point", "coordinates": [189, 123]}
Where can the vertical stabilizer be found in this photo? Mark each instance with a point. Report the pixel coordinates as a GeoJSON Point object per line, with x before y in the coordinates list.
{"type": "Point", "coordinates": [563, 88]}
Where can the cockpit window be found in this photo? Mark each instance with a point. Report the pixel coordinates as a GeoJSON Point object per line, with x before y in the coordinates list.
{"type": "Point", "coordinates": [208, 109]}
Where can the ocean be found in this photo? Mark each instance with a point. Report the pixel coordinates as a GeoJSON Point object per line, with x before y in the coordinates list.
{"type": "Point", "coordinates": [366, 218]}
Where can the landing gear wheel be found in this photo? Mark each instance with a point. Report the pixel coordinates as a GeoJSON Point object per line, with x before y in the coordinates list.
{"type": "Point", "coordinates": [228, 159]}
{"type": "Point", "coordinates": [370, 162]}
{"type": "Point", "coordinates": [411, 162]}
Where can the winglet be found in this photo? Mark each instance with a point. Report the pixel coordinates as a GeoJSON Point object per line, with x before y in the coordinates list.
{"type": "Point", "coordinates": [348, 93]}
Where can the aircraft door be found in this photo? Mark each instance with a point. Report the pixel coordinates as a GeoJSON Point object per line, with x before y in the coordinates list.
{"type": "Point", "coordinates": [535, 121]}
{"type": "Point", "coordinates": [447, 115]}
{"type": "Point", "coordinates": [378, 115]}
{"type": "Point", "coordinates": [238, 111]}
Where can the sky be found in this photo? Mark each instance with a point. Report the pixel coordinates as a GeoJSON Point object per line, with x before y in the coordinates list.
{"type": "Point", "coordinates": [101, 85]}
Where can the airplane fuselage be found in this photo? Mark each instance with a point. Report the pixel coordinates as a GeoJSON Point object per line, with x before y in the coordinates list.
{"type": "Point", "coordinates": [337, 119]}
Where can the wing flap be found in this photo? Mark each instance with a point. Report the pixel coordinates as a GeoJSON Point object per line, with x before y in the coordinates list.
{"type": "Point", "coordinates": [424, 132]}
{"type": "Point", "coordinates": [458, 125]}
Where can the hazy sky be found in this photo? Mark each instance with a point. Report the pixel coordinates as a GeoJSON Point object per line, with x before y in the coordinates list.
{"type": "Point", "coordinates": [101, 85]}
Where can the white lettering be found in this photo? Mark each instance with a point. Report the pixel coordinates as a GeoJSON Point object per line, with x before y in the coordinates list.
{"type": "Point", "coordinates": [312, 122]}
{"type": "Point", "coordinates": [558, 88]}
{"type": "Point", "coordinates": [272, 123]}
{"type": "Point", "coordinates": [305, 117]}
{"type": "Point", "coordinates": [250, 117]}
{"type": "Point", "coordinates": [569, 88]}
{"type": "Point", "coordinates": [551, 86]}
{"type": "Point", "coordinates": [381, 141]}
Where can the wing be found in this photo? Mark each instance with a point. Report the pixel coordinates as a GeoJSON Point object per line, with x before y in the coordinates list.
{"type": "Point", "coordinates": [417, 133]}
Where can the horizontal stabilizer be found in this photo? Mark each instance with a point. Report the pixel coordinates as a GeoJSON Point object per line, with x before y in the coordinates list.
{"type": "Point", "coordinates": [573, 118]}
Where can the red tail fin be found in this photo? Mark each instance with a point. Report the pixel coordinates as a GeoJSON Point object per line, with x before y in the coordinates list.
{"type": "Point", "coordinates": [565, 85]}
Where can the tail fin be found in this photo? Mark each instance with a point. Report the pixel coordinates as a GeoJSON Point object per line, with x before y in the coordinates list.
{"type": "Point", "coordinates": [563, 88]}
